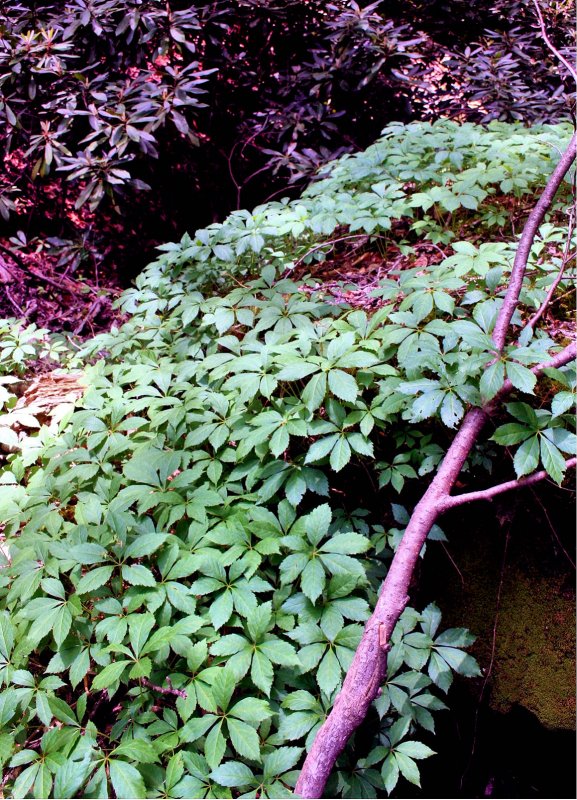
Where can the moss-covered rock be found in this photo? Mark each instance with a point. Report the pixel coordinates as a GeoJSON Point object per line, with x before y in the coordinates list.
{"type": "Point", "coordinates": [534, 632]}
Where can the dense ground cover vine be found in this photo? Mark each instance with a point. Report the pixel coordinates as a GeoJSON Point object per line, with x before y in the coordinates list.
{"type": "Point", "coordinates": [185, 576]}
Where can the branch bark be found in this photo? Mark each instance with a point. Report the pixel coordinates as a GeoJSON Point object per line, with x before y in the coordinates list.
{"type": "Point", "coordinates": [369, 666]}
{"type": "Point", "coordinates": [527, 237]}
{"type": "Point", "coordinates": [492, 491]}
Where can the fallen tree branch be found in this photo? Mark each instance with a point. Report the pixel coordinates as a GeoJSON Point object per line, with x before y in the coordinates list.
{"type": "Point", "coordinates": [368, 669]}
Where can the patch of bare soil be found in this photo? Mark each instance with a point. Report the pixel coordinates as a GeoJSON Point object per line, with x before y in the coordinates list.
{"type": "Point", "coordinates": [352, 271]}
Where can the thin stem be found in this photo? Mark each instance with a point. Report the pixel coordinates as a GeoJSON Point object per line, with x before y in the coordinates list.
{"type": "Point", "coordinates": [526, 242]}
{"type": "Point", "coordinates": [163, 689]}
{"type": "Point", "coordinates": [552, 529]}
{"type": "Point", "coordinates": [550, 45]}
{"type": "Point", "coordinates": [565, 260]}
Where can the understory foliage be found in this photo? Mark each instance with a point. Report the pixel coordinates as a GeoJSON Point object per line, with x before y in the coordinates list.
{"type": "Point", "coordinates": [101, 100]}
{"type": "Point", "coordinates": [186, 571]}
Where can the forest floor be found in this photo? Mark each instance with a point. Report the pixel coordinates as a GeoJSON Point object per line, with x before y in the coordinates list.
{"type": "Point", "coordinates": [39, 288]}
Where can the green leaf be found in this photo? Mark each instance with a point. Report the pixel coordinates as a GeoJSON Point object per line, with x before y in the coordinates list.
{"type": "Point", "coordinates": [553, 460]}
{"type": "Point", "coordinates": [43, 709]}
{"type": "Point", "coordinates": [6, 636]}
{"type": "Point", "coordinates": [244, 739]}
{"type": "Point", "coordinates": [109, 675]}
{"type": "Point", "coordinates": [318, 522]}
{"type": "Point", "coordinates": [137, 750]}
{"type": "Point", "coordinates": [61, 625]}
{"type": "Point", "coordinates": [408, 768]}
{"type": "Point", "coordinates": [280, 760]}
{"type": "Point", "coordinates": [221, 609]}
{"type": "Point", "coordinates": [329, 672]}
{"type": "Point", "coordinates": [251, 710]}
{"type": "Point", "coordinates": [321, 448]}
{"type": "Point", "coordinates": [492, 380]}
{"type": "Point", "coordinates": [340, 345]}
{"type": "Point", "coordinates": [521, 377]}
{"type": "Point", "coordinates": [346, 543]}
{"type": "Point", "coordinates": [43, 782]}
{"type": "Point", "coordinates": [315, 391]}
{"type": "Point", "coordinates": [343, 385]}
{"type": "Point", "coordinates": [313, 579]}
{"type": "Point", "coordinates": [414, 750]}
{"type": "Point", "coordinates": [261, 672]}
{"type": "Point", "coordinates": [62, 711]}
{"type": "Point", "coordinates": [138, 575]}
{"type": "Point", "coordinates": [340, 455]}
{"type": "Point", "coordinates": [296, 370]}
{"type": "Point", "coordinates": [233, 773]}
{"type": "Point", "coordinates": [459, 661]}
{"type": "Point", "coordinates": [360, 444]}
{"type": "Point", "coordinates": [440, 672]}
{"type": "Point", "coordinates": [70, 776]}
{"type": "Point", "coordinates": [126, 780]}
{"type": "Point", "coordinates": [562, 402]}
{"type": "Point", "coordinates": [223, 686]}
{"type": "Point", "coordinates": [452, 410]}
{"type": "Point", "coordinates": [140, 626]}
{"type": "Point", "coordinates": [511, 433]}
{"type": "Point", "coordinates": [214, 746]}
{"type": "Point", "coordinates": [390, 772]}
{"type": "Point", "coordinates": [94, 579]}
{"type": "Point", "coordinates": [196, 727]}
{"type": "Point", "coordinates": [527, 457]}
{"type": "Point", "coordinates": [279, 441]}
{"type": "Point", "coordinates": [280, 652]}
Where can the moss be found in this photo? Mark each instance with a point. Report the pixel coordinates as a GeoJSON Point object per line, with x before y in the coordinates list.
{"type": "Point", "coordinates": [534, 659]}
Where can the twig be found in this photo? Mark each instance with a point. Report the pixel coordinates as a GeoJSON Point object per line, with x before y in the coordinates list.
{"type": "Point", "coordinates": [163, 689]}
{"type": "Point", "coordinates": [13, 303]}
{"type": "Point", "coordinates": [552, 529]}
{"type": "Point", "coordinates": [331, 242]}
{"type": "Point", "coordinates": [527, 237]}
{"type": "Point", "coordinates": [90, 314]}
{"type": "Point", "coordinates": [454, 563]}
{"type": "Point", "coordinates": [489, 669]}
{"type": "Point", "coordinates": [564, 261]}
{"type": "Point", "coordinates": [549, 43]}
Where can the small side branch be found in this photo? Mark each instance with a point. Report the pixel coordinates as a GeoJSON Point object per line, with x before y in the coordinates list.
{"type": "Point", "coordinates": [163, 689]}
{"type": "Point", "coordinates": [526, 242]}
{"type": "Point", "coordinates": [488, 494]}
{"type": "Point", "coordinates": [560, 359]}
{"type": "Point", "coordinates": [550, 45]}
{"type": "Point", "coordinates": [564, 261]}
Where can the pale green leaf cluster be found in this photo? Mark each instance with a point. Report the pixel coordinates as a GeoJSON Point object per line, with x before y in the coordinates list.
{"type": "Point", "coordinates": [186, 572]}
